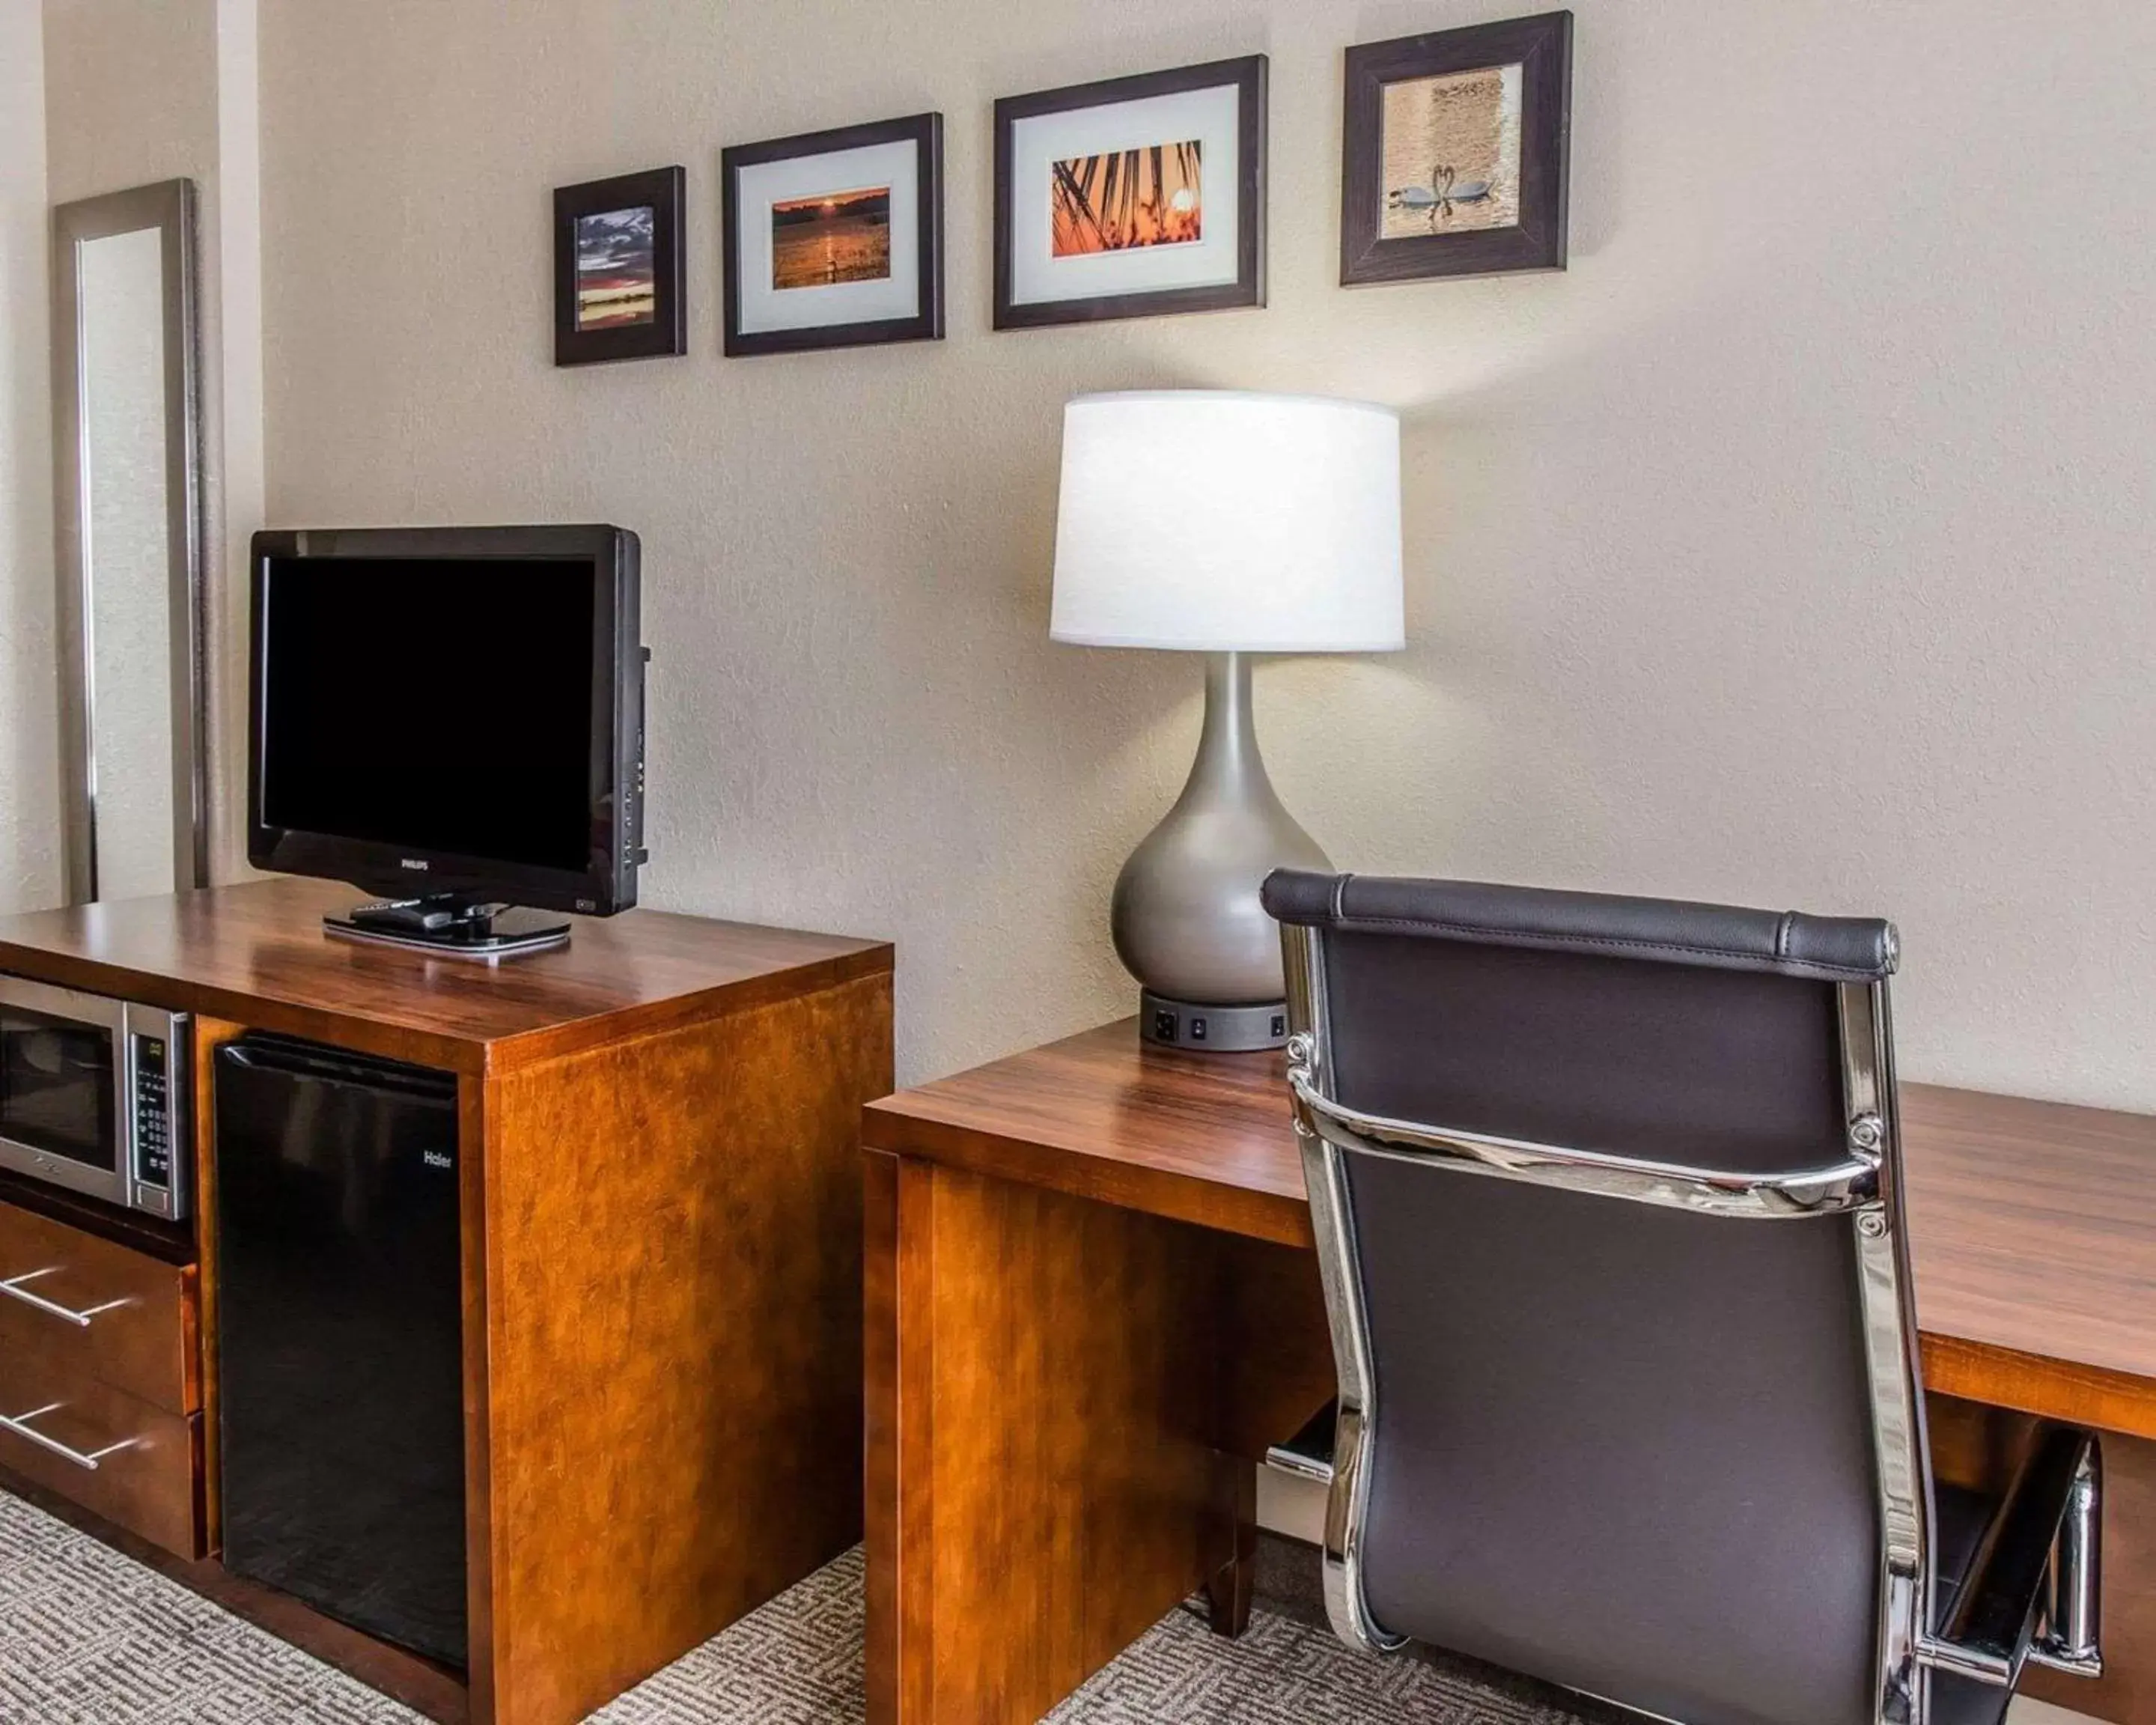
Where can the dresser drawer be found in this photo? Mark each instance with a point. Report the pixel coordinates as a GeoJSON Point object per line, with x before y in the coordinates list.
{"type": "Point", "coordinates": [136, 1465]}
{"type": "Point", "coordinates": [100, 1310]}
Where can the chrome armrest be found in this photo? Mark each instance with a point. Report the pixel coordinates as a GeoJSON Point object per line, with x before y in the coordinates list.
{"type": "Point", "coordinates": [2031, 1590]}
{"type": "Point", "coordinates": [1850, 1184]}
{"type": "Point", "coordinates": [2071, 1637]}
{"type": "Point", "coordinates": [1308, 1455]}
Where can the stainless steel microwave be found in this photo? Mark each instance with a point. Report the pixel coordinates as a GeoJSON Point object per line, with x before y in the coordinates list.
{"type": "Point", "coordinates": [93, 1095]}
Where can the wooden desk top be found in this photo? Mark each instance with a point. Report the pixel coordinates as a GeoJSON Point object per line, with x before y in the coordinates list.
{"type": "Point", "coordinates": [2033, 1224]}
{"type": "Point", "coordinates": [256, 954]}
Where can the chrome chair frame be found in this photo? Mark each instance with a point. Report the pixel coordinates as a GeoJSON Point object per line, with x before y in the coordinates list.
{"type": "Point", "coordinates": [1864, 1187]}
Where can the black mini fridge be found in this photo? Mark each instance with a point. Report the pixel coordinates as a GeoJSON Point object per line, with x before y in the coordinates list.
{"type": "Point", "coordinates": [339, 1327]}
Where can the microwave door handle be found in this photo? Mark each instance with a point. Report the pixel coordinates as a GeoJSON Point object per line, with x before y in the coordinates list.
{"type": "Point", "coordinates": [125, 1130]}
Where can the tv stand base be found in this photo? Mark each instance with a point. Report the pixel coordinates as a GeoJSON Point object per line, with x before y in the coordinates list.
{"type": "Point", "coordinates": [449, 927]}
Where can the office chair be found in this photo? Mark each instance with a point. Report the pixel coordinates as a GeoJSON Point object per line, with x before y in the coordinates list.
{"type": "Point", "coordinates": [1607, 1201]}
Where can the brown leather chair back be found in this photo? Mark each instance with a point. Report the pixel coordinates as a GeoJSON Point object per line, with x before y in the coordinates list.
{"type": "Point", "coordinates": [1623, 1446]}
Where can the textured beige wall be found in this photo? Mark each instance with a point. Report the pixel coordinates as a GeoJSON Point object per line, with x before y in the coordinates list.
{"type": "Point", "coordinates": [131, 94]}
{"type": "Point", "coordinates": [237, 391]}
{"type": "Point", "coordinates": [29, 731]}
{"type": "Point", "coordinates": [1791, 548]}
{"type": "Point", "coordinates": [136, 93]}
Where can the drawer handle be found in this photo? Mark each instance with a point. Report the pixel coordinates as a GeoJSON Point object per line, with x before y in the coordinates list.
{"type": "Point", "coordinates": [20, 1425]}
{"type": "Point", "coordinates": [53, 1308]}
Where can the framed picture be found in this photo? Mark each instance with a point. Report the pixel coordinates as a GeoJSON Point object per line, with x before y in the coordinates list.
{"type": "Point", "coordinates": [618, 289]}
{"type": "Point", "coordinates": [835, 239]}
{"type": "Point", "coordinates": [1456, 152]}
{"type": "Point", "coordinates": [1131, 198]}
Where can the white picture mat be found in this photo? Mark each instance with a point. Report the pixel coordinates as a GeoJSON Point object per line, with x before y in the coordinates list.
{"type": "Point", "coordinates": [1213, 116]}
{"type": "Point", "coordinates": [761, 307]}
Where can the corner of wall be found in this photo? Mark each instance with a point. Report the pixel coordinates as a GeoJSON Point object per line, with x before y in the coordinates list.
{"type": "Point", "coordinates": [238, 360]}
{"type": "Point", "coordinates": [29, 741]}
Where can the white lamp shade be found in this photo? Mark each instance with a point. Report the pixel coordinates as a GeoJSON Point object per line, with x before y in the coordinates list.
{"type": "Point", "coordinates": [1214, 520]}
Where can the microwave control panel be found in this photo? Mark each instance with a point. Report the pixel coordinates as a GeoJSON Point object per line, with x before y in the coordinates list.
{"type": "Point", "coordinates": [153, 1114]}
{"type": "Point", "coordinates": [158, 1068]}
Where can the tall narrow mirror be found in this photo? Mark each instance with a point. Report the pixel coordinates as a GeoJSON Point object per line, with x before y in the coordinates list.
{"type": "Point", "coordinates": [129, 439]}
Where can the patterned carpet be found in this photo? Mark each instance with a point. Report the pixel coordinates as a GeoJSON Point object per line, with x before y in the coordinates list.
{"type": "Point", "coordinates": [89, 1638]}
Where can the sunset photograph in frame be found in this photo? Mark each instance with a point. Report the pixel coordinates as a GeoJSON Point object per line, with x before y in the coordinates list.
{"type": "Point", "coordinates": [1119, 199]}
{"type": "Point", "coordinates": [828, 238]}
{"type": "Point", "coordinates": [1135, 197]}
{"type": "Point", "coordinates": [834, 238]}
{"type": "Point", "coordinates": [619, 291]}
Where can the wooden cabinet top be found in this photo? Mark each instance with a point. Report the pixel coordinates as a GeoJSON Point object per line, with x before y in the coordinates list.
{"type": "Point", "coordinates": [256, 954]}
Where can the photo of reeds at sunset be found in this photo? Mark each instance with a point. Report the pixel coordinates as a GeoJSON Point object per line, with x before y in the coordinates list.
{"type": "Point", "coordinates": [1126, 198]}
{"type": "Point", "coordinates": [616, 284]}
{"type": "Point", "coordinates": [834, 237]}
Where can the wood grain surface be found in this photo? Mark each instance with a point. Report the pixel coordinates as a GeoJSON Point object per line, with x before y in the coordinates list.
{"type": "Point", "coordinates": [167, 1242]}
{"type": "Point", "coordinates": [1200, 1138]}
{"type": "Point", "coordinates": [2033, 1224]}
{"type": "Point", "coordinates": [472, 1161]}
{"type": "Point", "coordinates": [256, 954]}
{"type": "Point", "coordinates": [659, 1180]}
{"type": "Point", "coordinates": [210, 1035]}
{"type": "Point", "coordinates": [672, 1251]}
{"type": "Point", "coordinates": [898, 1367]}
{"type": "Point", "coordinates": [1034, 1224]}
{"type": "Point", "coordinates": [1043, 1369]}
{"type": "Point", "coordinates": [149, 1487]}
{"type": "Point", "coordinates": [144, 1341]}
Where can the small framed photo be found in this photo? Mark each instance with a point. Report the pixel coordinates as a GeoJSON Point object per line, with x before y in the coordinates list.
{"type": "Point", "coordinates": [835, 239]}
{"type": "Point", "coordinates": [618, 287]}
{"type": "Point", "coordinates": [1457, 152]}
{"type": "Point", "coordinates": [1133, 198]}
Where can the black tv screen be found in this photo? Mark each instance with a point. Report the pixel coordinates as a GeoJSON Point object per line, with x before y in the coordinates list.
{"type": "Point", "coordinates": [471, 734]}
{"type": "Point", "coordinates": [444, 711]}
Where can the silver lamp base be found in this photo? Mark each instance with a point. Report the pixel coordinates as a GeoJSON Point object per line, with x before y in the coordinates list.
{"type": "Point", "coordinates": [1186, 917]}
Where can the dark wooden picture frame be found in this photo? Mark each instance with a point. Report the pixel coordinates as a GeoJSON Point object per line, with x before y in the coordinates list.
{"type": "Point", "coordinates": [1249, 75]}
{"type": "Point", "coordinates": [925, 131]}
{"type": "Point", "coordinates": [1542, 47]}
{"type": "Point", "coordinates": [666, 331]}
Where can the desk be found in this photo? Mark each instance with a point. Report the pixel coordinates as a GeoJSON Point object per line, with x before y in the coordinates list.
{"type": "Point", "coordinates": [1091, 1302]}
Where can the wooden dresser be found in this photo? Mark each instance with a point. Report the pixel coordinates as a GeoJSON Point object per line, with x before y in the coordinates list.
{"type": "Point", "coordinates": [661, 1266]}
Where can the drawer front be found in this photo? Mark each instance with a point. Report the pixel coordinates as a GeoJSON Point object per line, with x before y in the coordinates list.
{"type": "Point", "coordinates": [116, 1315]}
{"type": "Point", "coordinates": [136, 1465]}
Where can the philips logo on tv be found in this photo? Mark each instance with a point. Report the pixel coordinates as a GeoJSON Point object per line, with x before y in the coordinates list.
{"type": "Point", "coordinates": [419, 862]}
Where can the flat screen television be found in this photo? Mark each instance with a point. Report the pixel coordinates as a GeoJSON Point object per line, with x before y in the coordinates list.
{"type": "Point", "coordinates": [452, 717]}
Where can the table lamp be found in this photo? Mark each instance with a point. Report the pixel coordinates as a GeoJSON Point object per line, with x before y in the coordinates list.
{"type": "Point", "coordinates": [1225, 523]}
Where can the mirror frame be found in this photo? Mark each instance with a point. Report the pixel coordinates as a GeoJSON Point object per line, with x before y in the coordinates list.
{"type": "Point", "coordinates": [169, 207]}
